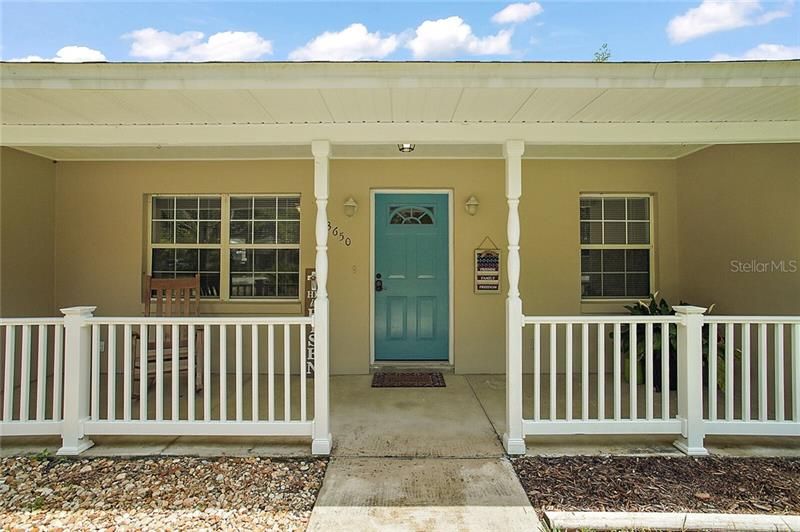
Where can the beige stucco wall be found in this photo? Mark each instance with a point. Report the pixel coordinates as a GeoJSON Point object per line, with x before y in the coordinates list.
{"type": "Point", "coordinates": [100, 235]}
{"type": "Point", "coordinates": [741, 203]}
{"type": "Point", "coordinates": [27, 185]}
{"type": "Point", "coordinates": [83, 232]}
{"type": "Point", "coordinates": [100, 223]}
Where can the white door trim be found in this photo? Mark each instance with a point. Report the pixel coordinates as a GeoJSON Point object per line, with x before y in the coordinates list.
{"type": "Point", "coordinates": [450, 246]}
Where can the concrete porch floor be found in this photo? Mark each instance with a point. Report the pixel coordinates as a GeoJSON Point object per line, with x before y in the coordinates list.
{"type": "Point", "coordinates": [466, 419]}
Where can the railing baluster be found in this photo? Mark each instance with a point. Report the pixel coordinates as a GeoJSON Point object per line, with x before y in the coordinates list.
{"type": "Point", "coordinates": [143, 371]}
{"type": "Point", "coordinates": [8, 384]}
{"type": "Point", "coordinates": [271, 372]}
{"type": "Point", "coordinates": [537, 370]}
{"type": "Point", "coordinates": [712, 371]}
{"type": "Point", "coordinates": [287, 373]}
{"type": "Point", "coordinates": [730, 340]}
{"type": "Point", "coordinates": [780, 414]}
{"type": "Point", "coordinates": [568, 372]}
{"type": "Point", "coordinates": [25, 374]}
{"type": "Point", "coordinates": [223, 372]}
{"type": "Point", "coordinates": [762, 372]}
{"type": "Point", "coordinates": [95, 371]}
{"type": "Point", "coordinates": [41, 372]}
{"type": "Point", "coordinates": [302, 374]}
{"type": "Point", "coordinates": [254, 368]}
{"type": "Point", "coordinates": [159, 372]}
{"type": "Point", "coordinates": [796, 371]}
{"type": "Point", "coordinates": [617, 371]}
{"type": "Point", "coordinates": [207, 372]}
{"type": "Point", "coordinates": [239, 374]}
{"type": "Point", "coordinates": [601, 371]}
{"type": "Point", "coordinates": [585, 371]}
{"type": "Point", "coordinates": [111, 355]}
{"type": "Point", "coordinates": [745, 371]}
{"type": "Point", "coordinates": [126, 387]}
{"type": "Point", "coordinates": [191, 370]}
{"type": "Point", "coordinates": [58, 369]}
{"type": "Point", "coordinates": [633, 377]}
{"type": "Point", "coordinates": [176, 370]}
{"type": "Point", "coordinates": [665, 376]}
{"type": "Point", "coordinates": [648, 371]}
{"type": "Point", "coordinates": [553, 368]}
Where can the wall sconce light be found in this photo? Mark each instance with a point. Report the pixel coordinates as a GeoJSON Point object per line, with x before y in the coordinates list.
{"type": "Point", "coordinates": [350, 207]}
{"type": "Point", "coordinates": [472, 205]}
{"type": "Point", "coordinates": [406, 148]}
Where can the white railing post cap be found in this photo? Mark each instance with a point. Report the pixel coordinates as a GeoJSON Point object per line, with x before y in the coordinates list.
{"type": "Point", "coordinates": [78, 311]}
{"type": "Point", "coordinates": [689, 309]}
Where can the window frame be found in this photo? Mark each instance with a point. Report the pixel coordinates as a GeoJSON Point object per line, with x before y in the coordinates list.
{"type": "Point", "coordinates": [225, 246]}
{"type": "Point", "coordinates": [650, 247]}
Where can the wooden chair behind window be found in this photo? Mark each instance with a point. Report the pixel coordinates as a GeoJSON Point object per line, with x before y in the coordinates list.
{"type": "Point", "coordinates": [178, 297]}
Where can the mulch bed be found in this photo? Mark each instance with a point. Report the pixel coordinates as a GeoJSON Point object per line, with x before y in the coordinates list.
{"type": "Point", "coordinates": [661, 484]}
{"type": "Point", "coordinates": [158, 493]}
{"type": "Point", "coordinates": [432, 379]}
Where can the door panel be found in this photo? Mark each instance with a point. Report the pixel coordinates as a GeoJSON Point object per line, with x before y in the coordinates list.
{"type": "Point", "coordinates": [396, 317]}
{"type": "Point", "coordinates": [412, 269]}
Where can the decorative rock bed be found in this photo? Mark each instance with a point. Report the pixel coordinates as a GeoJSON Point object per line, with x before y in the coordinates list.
{"type": "Point", "coordinates": [158, 492]}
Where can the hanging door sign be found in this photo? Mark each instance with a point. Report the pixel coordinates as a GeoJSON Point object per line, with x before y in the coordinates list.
{"type": "Point", "coordinates": [487, 269]}
{"type": "Point", "coordinates": [310, 297]}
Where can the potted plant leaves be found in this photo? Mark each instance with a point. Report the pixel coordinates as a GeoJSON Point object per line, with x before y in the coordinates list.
{"type": "Point", "coordinates": [660, 307]}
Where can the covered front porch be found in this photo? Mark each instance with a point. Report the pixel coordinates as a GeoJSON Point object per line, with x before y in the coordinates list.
{"type": "Point", "coordinates": [531, 157]}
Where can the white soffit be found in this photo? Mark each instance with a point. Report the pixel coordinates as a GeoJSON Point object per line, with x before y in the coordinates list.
{"type": "Point", "coordinates": [286, 103]}
{"type": "Point", "coordinates": [364, 151]}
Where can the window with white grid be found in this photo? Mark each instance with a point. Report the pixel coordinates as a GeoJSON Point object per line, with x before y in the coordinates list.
{"type": "Point", "coordinates": [243, 246]}
{"type": "Point", "coordinates": [616, 246]}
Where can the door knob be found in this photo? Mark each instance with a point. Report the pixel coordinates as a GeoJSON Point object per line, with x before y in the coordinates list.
{"type": "Point", "coordinates": [378, 283]}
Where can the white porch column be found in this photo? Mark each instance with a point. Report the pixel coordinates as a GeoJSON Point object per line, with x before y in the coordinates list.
{"type": "Point", "coordinates": [322, 441]}
{"type": "Point", "coordinates": [77, 385]}
{"type": "Point", "coordinates": [690, 379]}
{"type": "Point", "coordinates": [513, 439]}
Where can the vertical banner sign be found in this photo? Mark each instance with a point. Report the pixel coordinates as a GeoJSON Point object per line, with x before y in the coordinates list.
{"type": "Point", "coordinates": [310, 297]}
{"type": "Point", "coordinates": [487, 271]}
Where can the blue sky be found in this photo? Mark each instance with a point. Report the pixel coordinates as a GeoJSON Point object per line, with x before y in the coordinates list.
{"type": "Point", "coordinates": [399, 31]}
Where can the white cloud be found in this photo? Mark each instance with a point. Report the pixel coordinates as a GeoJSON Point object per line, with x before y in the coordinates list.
{"type": "Point", "coordinates": [763, 51]}
{"type": "Point", "coordinates": [515, 13]}
{"type": "Point", "coordinates": [67, 54]}
{"type": "Point", "coordinates": [712, 16]}
{"type": "Point", "coordinates": [353, 43]}
{"type": "Point", "coordinates": [156, 45]}
{"type": "Point", "coordinates": [449, 36]}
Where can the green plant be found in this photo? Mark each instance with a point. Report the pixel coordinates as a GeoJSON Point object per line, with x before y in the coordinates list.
{"type": "Point", "coordinates": [44, 454]}
{"type": "Point", "coordinates": [655, 306]}
{"type": "Point", "coordinates": [602, 54]}
{"type": "Point", "coordinates": [36, 504]}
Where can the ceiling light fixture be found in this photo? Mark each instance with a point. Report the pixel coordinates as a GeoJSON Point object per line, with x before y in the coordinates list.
{"type": "Point", "coordinates": [406, 148]}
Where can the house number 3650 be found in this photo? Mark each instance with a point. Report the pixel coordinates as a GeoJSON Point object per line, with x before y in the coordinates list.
{"type": "Point", "coordinates": [339, 234]}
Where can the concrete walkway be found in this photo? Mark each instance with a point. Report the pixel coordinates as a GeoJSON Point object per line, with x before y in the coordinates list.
{"type": "Point", "coordinates": [417, 459]}
{"type": "Point", "coordinates": [480, 494]}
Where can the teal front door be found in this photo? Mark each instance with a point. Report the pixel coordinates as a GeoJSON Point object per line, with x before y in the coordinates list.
{"type": "Point", "coordinates": [411, 283]}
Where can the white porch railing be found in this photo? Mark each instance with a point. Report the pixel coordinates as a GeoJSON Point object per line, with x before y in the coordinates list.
{"type": "Point", "coordinates": [160, 376]}
{"type": "Point", "coordinates": [33, 351]}
{"type": "Point", "coordinates": [757, 360]}
{"type": "Point", "coordinates": [758, 365]}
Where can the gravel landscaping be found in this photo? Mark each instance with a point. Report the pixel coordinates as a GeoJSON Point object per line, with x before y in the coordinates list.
{"type": "Point", "coordinates": [158, 493]}
{"type": "Point", "coordinates": [661, 484]}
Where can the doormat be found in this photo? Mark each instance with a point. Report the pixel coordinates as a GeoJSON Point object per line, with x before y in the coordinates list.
{"type": "Point", "coordinates": [408, 380]}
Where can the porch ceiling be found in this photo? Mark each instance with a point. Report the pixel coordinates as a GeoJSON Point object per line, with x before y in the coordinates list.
{"type": "Point", "coordinates": [257, 104]}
